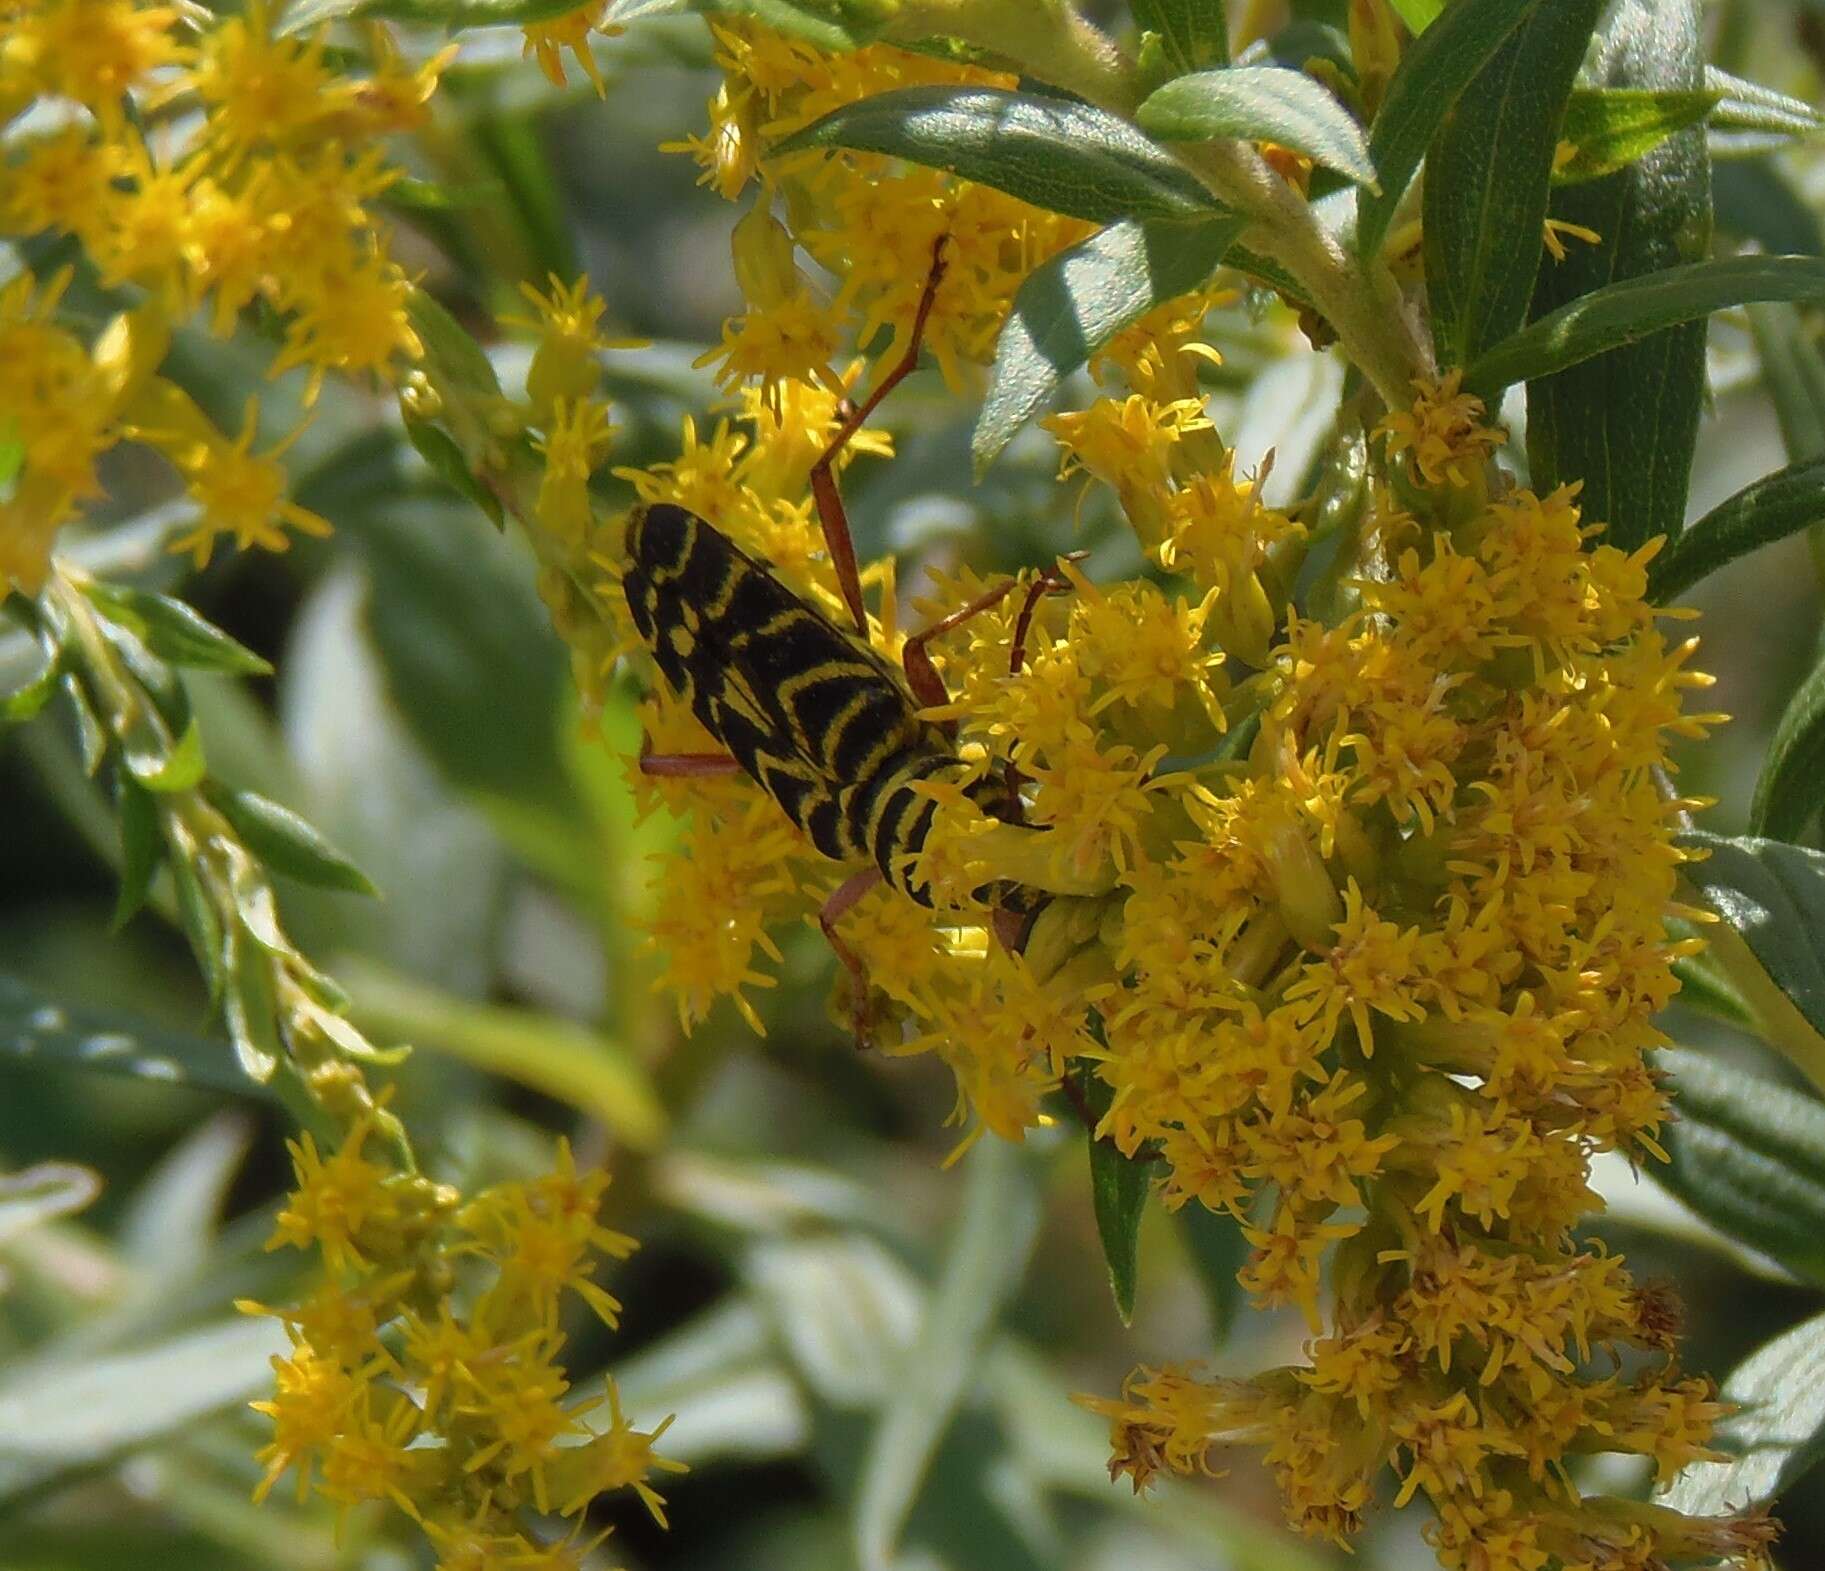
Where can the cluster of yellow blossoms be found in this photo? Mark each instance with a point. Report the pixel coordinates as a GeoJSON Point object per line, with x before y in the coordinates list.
{"type": "Point", "coordinates": [227, 167]}
{"type": "Point", "coordinates": [462, 1418]}
{"type": "Point", "coordinates": [1385, 922]}
{"type": "Point", "coordinates": [198, 169]}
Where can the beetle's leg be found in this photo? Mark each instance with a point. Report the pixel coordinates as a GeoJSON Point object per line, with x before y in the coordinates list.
{"type": "Point", "coordinates": [678, 765]}
{"type": "Point", "coordinates": [922, 676]}
{"type": "Point", "coordinates": [847, 894]}
{"type": "Point", "coordinates": [830, 511]}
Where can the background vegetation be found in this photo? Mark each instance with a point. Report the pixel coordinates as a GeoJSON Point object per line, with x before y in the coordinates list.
{"type": "Point", "coordinates": [810, 1273]}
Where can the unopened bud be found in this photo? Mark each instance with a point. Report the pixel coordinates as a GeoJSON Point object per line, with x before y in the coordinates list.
{"type": "Point", "coordinates": [765, 269]}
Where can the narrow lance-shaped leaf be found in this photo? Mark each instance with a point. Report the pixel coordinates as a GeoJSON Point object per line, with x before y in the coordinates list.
{"type": "Point", "coordinates": [1764, 511]}
{"type": "Point", "coordinates": [1774, 1432]}
{"type": "Point", "coordinates": [1067, 157]}
{"type": "Point", "coordinates": [1748, 1155]}
{"type": "Point", "coordinates": [1075, 303]}
{"type": "Point", "coordinates": [174, 630]}
{"type": "Point", "coordinates": [1119, 1186]}
{"type": "Point", "coordinates": [1262, 103]}
{"type": "Point", "coordinates": [1793, 372]}
{"type": "Point", "coordinates": [1625, 423]}
{"type": "Point", "coordinates": [1444, 60]}
{"type": "Point", "coordinates": [37, 1028]}
{"type": "Point", "coordinates": [142, 847]}
{"type": "Point", "coordinates": [1748, 106]}
{"type": "Point", "coordinates": [1622, 313]}
{"type": "Point", "coordinates": [287, 843]}
{"type": "Point", "coordinates": [1489, 176]}
{"type": "Point", "coordinates": [984, 1261]}
{"type": "Point", "coordinates": [454, 15]}
{"type": "Point", "coordinates": [1791, 787]}
{"type": "Point", "coordinates": [1772, 896]}
{"type": "Point", "coordinates": [1788, 793]}
{"type": "Point", "coordinates": [1609, 128]}
{"type": "Point", "coordinates": [25, 702]}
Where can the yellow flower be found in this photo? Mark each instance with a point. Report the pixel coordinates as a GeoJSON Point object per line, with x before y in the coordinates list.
{"type": "Point", "coordinates": [546, 42]}
{"type": "Point", "coordinates": [94, 51]}
{"type": "Point", "coordinates": [1443, 432]}
{"type": "Point", "coordinates": [1360, 918]}
{"type": "Point", "coordinates": [238, 493]}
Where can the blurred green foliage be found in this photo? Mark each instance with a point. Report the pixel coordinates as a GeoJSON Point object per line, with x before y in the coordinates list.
{"type": "Point", "coordinates": [861, 1345]}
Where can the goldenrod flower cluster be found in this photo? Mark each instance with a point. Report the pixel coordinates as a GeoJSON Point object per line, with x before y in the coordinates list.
{"type": "Point", "coordinates": [199, 167]}
{"type": "Point", "coordinates": [860, 215]}
{"type": "Point", "coordinates": [425, 1370]}
{"type": "Point", "coordinates": [1361, 918]}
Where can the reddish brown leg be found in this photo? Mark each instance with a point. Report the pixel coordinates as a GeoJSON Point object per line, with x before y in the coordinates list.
{"type": "Point", "coordinates": [830, 510]}
{"type": "Point", "coordinates": [922, 676]}
{"type": "Point", "coordinates": [848, 893]}
{"type": "Point", "coordinates": [678, 765]}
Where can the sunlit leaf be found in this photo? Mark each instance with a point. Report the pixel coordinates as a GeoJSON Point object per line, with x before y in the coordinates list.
{"type": "Point", "coordinates": [1775, 1434]}
{"type": "Point", "coordinates": [1489, 177]}
{"type": "Point", "coordinates": [1443, 61]}
{"type": "Point", "coordinates": [1067, 157]}
{"type": "Point", "coordinates": [1074, 304]}
{"type": "Point", "coordinates": [1260, 104]}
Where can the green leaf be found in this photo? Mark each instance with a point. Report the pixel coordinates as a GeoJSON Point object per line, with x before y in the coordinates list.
{"type": "Point", "coordinates": [439, 450]}
{"type": "Point", "coordinates": [599, 1077]}
{"type": "Point", "coordinates": [984, 1261]}
{"type": "Point", "coordinates": [1613, 127]}
{"type": "Point", "coordinates": [1215, 1244]}
{"type": "Point", "coordinates": [196, 912]}
{"type": "Point", "coordinates": [250, 1004]}
{"type": "Point", "coordinates": [1075, 303]}
{"type": "Point", "coordinates": [83, 1409]}
{"type": "Point", "coordinates": [170, 1221]}
{"type": "Point", "coordinates": [180, 769]}
{"type": "Point", "coordinates": [38, 1029]}
{"type": "Point", "coordinates": [1775, 1434]}
{"type": "Point", "coordinates": [1068, 157]}
{"type": "Point", "coordinates": [452, 15]}
{"type": "Point", "coordinates": [174, 630]}
{"type": "Point", "coordinates": [42, 1193]}
{"type": "Point", "coordinates": [1794, 373]}
{"type": "Point", "coordinates": [473, 666]}
{"type": "Point", "coordinates": [1788, 792]}
{"type": "Point", "coordinates": [1119, 1187]}
{"type": "Point", "coordinates": [1489, 177]}
{"type": "Point", "coordinates": [1194, 33]}
{"type": "Point", "coordinates": [441, 196]}
{"type": "Point", "coordinates": [142, 846]}
{"type": "Point", "coordinates": [91, 736]}
{"type": "Point", "coordinates": [834, 26]}
{"type": "Point", "coordinates": [25, 702]}
{"type": "Point", "coordinates": [1756, 202]}
{"type": "Point", "coordinates": [1626, 312]}
{"type": "Point", "coordinates": [1260, 103]}
{"type": "Point", "coordinates": [1771, 897]}
{"type": "Point", "coordinates": [1418, 14]}
{"type": "Point", "coordinates": [452, 356]}
{"type": "Point", "coordinates": [1748, 106]}
{"type": "Point", "coordinates": [1443, 61]}
{"type": "Point", "coordinates": [286, 843]}
{"type": "Point", "coordinates": [517, 151]}
{"type": "Point", "coordinates": [1625, 423]}
{"type": "Point", "coordinates": [1764, 511]}
{"type": "Point", "coordinates": [1748, 1155]}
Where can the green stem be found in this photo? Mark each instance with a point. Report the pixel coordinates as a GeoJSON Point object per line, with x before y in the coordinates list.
{"type": "Point", "coordinates": [1361, 302]}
